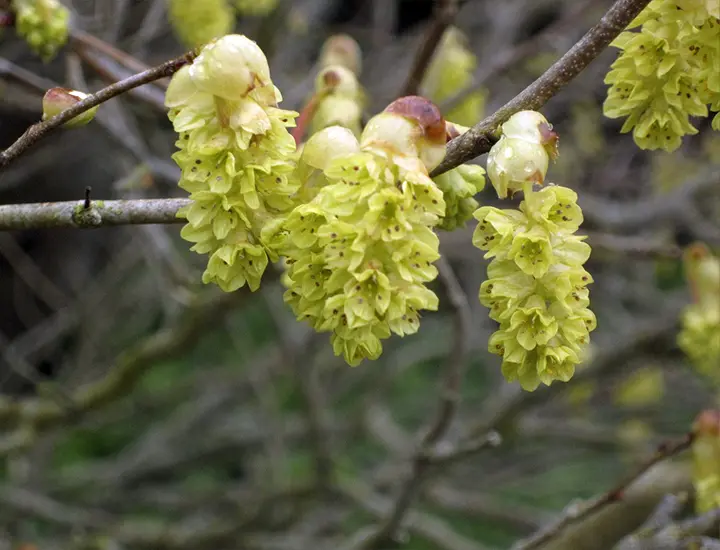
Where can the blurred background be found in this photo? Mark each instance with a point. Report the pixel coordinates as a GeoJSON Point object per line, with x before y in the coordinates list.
{"type": "Point", "coordinates": [216, 420]}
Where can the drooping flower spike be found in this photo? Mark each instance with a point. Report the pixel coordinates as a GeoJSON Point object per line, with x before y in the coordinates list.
{"type": "Point", "coordinates": [197, 23]}
{"type": "Point", "coordinates": [43, 24]}
{"type": "Point", "coordinates": [450, 71]}
{"type": "Point", "coordinates": [667, 72]}
{"type": "Point", "coordinates": [536, 287]}
{"type": "Point", "coordinates": [700, 335]}
{"type": "Point", "coordinates": [361, 251]}
{"type": "Point", "coordinates": [235, 153]}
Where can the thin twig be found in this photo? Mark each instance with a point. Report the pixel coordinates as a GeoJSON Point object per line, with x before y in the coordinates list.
{"type": "Point", "coordinates": [39, 413]}
{"type": "Point", "coordinates": [100, 213]}
{"type": "Point", "coordinates": [427, 456]}
{"type": "Point", "coordinates": [505, 59]}
{"type": "Point", "coordinates": [82, 40]}
{"type": "Point", "coordinates": [478, 139]}
{"type": "Point", "coordinates": [576, 514]}
{"type": "Point", "coordinates": [37, 131]}
{"type": "Point", "coordinates": [445, 11]}
{"type": "Point", "coordinates": [425, 525]}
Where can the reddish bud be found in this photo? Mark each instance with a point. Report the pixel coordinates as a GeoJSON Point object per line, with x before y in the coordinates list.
{"type": "Point", "coordinates": [56, 100]}
{"type": "Point", "coordinates": [341, 49]}
{"type": "Point", "coordinates": [425, 113]}
{"type": "Point", "coordinates": [707, 423]}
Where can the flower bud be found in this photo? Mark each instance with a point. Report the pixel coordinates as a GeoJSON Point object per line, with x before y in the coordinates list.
{"type": "Point", "coordinates": [702, 271]}
{"type": "Point", "coordinates": [197, 23]}
{"type": "Point", "coordinates": [328, 144]}
{"type": "Point", "coordinates": [56, 100]}
{"type": "Point", "coordinates": [513, 162]}
{"type": "Point", "coordinates": [533, 127]}
{"type": "Point", "coordinates": [341, 49]}
{"type": "Point", "coordinates": [230, 67]}
{"type": "Point", "coordinates": [411, 126]}
{"type": "Point", "coordinates": [337, 79]}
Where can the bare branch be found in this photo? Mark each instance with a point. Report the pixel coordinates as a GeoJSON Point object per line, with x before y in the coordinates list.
{"type": "Point", "coordinates": [481, 137]}
{"type": "Point", "coordinates": [35, 414]}
{"type": "Point", "coordinates": [37, 131]}
{"type": "Point", "coordinates": [445, 11]}
{"type": "Point", "coordinates": [424, 525]}
{"type": "Point", "coordinates": [425, 457]}
{"type": "Point", "coordinates": [101, 213]}
{"type": "Point", "coordinates": [505, 59]}
{"type": "Point", "coordinates": [575, 514]}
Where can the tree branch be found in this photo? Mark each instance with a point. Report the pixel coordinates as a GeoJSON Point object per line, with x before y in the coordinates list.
{"type": "Point", "coordinates": [480, 138]}
{"type": "Point", "coordinates": [445, 11]}
{"type": "Point", "coordinates": [425, 457]}
{"type": "Point", "coordinates": [575, 514]}
{"type": "Point", "coordinates": [37, 131]}
{"type": "Point", "coordinates": [35, 414]}
{"type": "Point", "coordinates": [100, 213]}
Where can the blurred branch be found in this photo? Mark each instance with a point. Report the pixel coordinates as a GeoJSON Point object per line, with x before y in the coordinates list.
{"type": "Point", "coordinates": [611, 214]}
{"type": "Point", "coordinates": [425, 525]}
{"type": "Point", "coordinates": [519, 518]}
{"type": "Point", "coordinates": [35, 414]}
{"type": "Point", "coordinates": [40, 506]}
{"type": "Point", "coordinates": [82, 40]}
{"type": "Point", "coordinates": [37, 131]}
{"type": "Point", "coordinates": [578, 513]}
{"type": "Point", "coordinates": [506, 58]}
{"type": "Point", "coordinates": [445, 11]}
{"type": "Point", "coordinates": [661, 531]}
{"type": "Point", "coordinates": [478, 139]}
{"type": "Point", "coordinates": [449, 399]}
{"type": "Point", "coordinates": [99, 214]}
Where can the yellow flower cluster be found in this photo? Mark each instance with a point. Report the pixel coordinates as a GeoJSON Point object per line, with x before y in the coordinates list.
{"type": "Point", "coordinates": [667, 72]}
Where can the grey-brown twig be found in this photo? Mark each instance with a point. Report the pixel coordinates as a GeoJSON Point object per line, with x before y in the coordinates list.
{"type": "Point", "coordinates": [445, 11]}
{"type": "Point", "coordinates": [426, 456]}
{"type": "Point", "coordinates": [35, 414]}
{"type": "Point", "coordinates": [575, 514]}
{"type": "Point", "coordinates": [37, 131]}
{"type": "Point", "coordinates": [100, 213]}
{"type": "Point", "coordinates": [505, 59]}
{"type": "Point", "coordinates": [478, 139]}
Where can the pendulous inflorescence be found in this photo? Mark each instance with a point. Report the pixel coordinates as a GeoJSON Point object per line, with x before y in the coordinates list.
{"type": "Point", "coordinates": [235, 153]}
{"type": "Point", "coordinates": [197, 23]}
{"type": "Point", "coordinates": [667, 72]}
{"type": "Point", "coordinates": [700, 335]}
{"type": "Point", "coordinates": [450, 70]}
{"type": "Point", "coordinates": [536, 287]}
{"type": "Point", "coordinates": [354, 220]}
{"type": "Point", "coordinates": [43, 24]}
{"type": "Point", "coordinates": [361, 250]}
